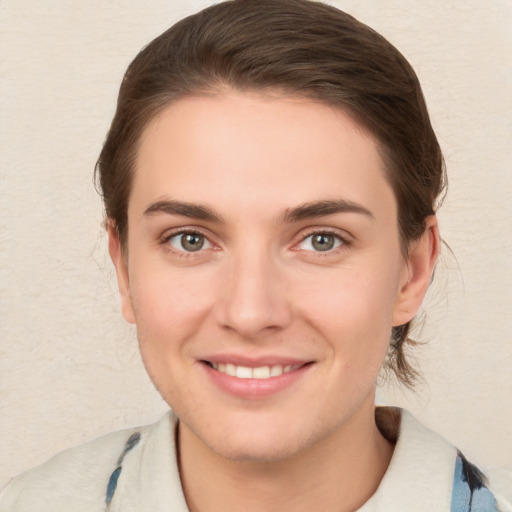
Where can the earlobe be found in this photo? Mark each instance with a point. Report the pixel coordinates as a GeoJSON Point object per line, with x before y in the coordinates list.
{"type": "Point", "coordinates": [119, 260]}
{"type": "Point", "coordinates": [421, 261]}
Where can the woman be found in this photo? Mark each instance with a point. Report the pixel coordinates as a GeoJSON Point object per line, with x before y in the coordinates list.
{"type": "Point", "coordinates": [270, 182]}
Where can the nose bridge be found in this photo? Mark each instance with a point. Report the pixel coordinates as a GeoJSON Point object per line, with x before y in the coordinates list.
{"type": "Point", "coordinates": [254, 299]}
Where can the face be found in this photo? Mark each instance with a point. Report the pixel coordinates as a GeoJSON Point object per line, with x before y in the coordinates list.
{"type": "Point", "coordinates": [264, 271]}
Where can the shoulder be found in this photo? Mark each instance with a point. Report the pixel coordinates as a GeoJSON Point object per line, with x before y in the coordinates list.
{"type": "Point", "coordinates": [478, 491]}
{"type": "Point", "coordinates": [472, 489]}
{"type": "Point", "coordinates": [500, 483]}
{"type": "Point", "coordinates": [77, 476]}
{"type": "Point", "coordinates": [432, 474]}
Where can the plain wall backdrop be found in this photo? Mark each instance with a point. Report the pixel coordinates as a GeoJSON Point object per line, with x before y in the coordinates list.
{"type": "Point", "coordinates": [69, 365]}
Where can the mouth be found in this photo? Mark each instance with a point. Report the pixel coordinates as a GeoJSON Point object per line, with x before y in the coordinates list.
{"type": "Point", "coordinates": [259, 372]}
{"type": "Point", "coordinates": [248, 380]}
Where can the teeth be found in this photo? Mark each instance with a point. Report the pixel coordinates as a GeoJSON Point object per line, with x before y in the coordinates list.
{"type": "Point", "coordinates": [242, 372]}
{"type": "Point", "coordinates": [261, 372]}
{"type": "Point", "coordinates": [275, 371]}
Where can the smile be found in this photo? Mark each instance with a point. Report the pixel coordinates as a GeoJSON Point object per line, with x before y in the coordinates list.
{"type": "Point", "coordinates": [259, 378]}
{"type": "Point", "coordinates": [260, 372]}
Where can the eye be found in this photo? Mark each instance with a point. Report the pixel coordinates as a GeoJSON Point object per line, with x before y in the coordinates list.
{"type": "Point", "coordinates": [320, 242]}
{"type": "Point", "coordinates": [189, 241]}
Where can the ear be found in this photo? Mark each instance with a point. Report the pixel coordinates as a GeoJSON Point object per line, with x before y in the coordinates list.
{"type": "Point", "coordinates": [421, 260]}
{"type": "Point", "coordinates": [119, 260]}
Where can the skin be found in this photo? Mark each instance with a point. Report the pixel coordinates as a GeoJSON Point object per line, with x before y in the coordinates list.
{"type": "Point", "coordinates": [259, 288]}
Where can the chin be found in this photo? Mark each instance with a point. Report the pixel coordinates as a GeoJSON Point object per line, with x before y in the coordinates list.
{"type": "Point", "coordinates": [259, 449]}
{"type": "Point", "coordinates": [258, 438]}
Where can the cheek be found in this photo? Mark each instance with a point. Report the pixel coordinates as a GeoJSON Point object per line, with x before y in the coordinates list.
{"type": "Point", "coordinates": [348, 296]}
{"type": "Point", "coordinates": [168, 305]}
{"type": "Point", "coordinates": [169, 310]}
{"type": "Point", "coordinates": [353, 310]}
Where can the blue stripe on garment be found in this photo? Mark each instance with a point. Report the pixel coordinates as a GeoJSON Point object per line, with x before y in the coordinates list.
{"type": "Point", "coordinates": [112, 484]}
{"type": "Point", "coordinates": [470, 493]}
{"type": "Point", "coordinates": [114, 477]}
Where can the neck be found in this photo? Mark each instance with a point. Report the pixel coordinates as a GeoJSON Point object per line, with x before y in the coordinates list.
{"type": "Point", "coordinates": [339, 473]}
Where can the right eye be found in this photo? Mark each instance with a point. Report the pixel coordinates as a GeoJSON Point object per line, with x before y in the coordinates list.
{"type": "Point", "coordinates": [189, 241]}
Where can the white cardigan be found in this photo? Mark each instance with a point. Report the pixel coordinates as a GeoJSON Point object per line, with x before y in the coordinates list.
{"type": "Point", "coordinates": [136, 471]}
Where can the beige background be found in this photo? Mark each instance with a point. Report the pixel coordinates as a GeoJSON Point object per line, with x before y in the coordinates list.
{"type": "Point", "coordinates": [69, 366]}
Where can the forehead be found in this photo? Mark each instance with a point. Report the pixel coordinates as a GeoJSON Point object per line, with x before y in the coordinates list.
{"type": "Point", "coordinates": [240, 149]}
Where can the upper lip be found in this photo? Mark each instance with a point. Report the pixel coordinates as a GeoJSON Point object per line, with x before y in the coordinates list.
{"type": "Point", "coordinates": [254, 362]}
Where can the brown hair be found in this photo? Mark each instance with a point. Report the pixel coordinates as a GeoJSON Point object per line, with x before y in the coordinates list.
{"type": "Point", "coordinates": [302, 48]}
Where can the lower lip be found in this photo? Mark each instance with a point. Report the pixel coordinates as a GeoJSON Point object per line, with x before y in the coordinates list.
{"type": "Point", "coordinates": [254, 388]}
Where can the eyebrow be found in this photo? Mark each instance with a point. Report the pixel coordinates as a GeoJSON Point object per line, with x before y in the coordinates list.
{"type": "Point", "coordinates": [316, 209]}
{"type": "Point", "coordinates": [306, 211]}
{"type": "Point", "coordinates": [183, 209]}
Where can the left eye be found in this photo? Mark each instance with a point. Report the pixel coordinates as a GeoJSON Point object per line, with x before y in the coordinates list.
{"type": "Point", "coordinates": [320, 242]}
{"type": "Point", "coordinates": [189, 242]}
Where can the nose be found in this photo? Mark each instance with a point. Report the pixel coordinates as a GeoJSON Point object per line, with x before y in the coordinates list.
{"type": "Point", "coordinates": [254, 301]}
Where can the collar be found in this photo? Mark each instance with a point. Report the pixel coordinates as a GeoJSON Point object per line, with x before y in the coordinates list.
{"type": "Point", "coordinates": [420, 474]}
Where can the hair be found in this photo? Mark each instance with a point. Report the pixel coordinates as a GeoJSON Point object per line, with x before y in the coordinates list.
{"type": "Point", "coordinates": [301, 48]}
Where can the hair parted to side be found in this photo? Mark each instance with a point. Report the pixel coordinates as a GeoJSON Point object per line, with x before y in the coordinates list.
{"type": "Point", "coordinates": [300, 48]}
